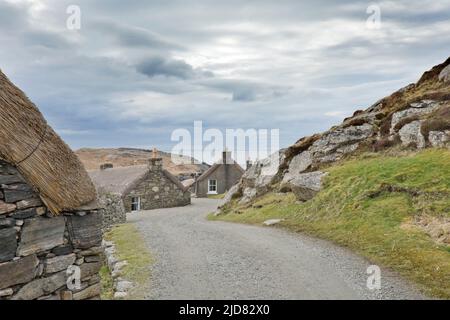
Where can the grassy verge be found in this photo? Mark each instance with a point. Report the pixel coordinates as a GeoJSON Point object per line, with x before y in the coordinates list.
{"type": "Point", "coordinates": [216, 196]}
{"type": "Point", "coordinates": [130, 246]}
{"type": "Point", "coordinates": [365, 205]}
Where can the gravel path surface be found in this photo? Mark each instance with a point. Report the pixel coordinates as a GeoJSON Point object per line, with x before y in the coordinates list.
{"type": "Point", "coordinates": [200, 259]}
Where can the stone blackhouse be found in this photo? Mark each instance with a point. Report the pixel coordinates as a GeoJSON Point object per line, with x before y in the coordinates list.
{"type": "Point", "coordinates": [219, 178]}
{"type": "Point", "coordinates": [140, 188]}
{"type": "Point", "coordinates": [50, 225]}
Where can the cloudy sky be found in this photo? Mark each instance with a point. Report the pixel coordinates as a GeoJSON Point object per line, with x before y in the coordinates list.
{"type": "Point", "coordinates": [137, 70]}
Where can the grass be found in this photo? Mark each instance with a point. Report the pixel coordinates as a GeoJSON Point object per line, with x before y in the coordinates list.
{"type": "Point", "coordinates": [355, 210]}
{"type": "Point", "coordinates": [130, 246]}
{"type": "Point", "coordinates": [216, 196]}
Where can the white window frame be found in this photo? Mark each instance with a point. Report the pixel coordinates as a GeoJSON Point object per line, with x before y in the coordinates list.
{"type": "Point", "coordinates": [138, 203]}
{"type": "Point", "coordinates": [210, 185]}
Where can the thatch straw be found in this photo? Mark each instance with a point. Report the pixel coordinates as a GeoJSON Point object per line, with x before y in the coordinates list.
{"type": "Point", "coordinates": [40, 155]}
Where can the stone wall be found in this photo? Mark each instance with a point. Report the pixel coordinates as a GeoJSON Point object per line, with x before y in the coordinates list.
{"type": "Point", "coordinates": [41, 253]}
{"type": "Point", "coordinates": [157, 190]}
{"type": "Point", "coordinates": [113, 211]}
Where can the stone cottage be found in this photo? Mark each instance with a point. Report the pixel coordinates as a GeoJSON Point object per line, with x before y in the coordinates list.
{"type": "Point", "coordinates": [143, 187]}
{"type": "Point", "coordinates": [50, 225]}
{"type": "Point", "coordinates": [219, 178]}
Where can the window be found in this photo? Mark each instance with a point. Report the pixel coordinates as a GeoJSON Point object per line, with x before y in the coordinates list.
{"type": "Point", "coordinates": [135, 204]}
{"type": "Point", "coordinates": [212, 186]}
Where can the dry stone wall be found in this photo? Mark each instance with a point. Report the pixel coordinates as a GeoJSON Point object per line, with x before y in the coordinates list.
{"type": "Point", "coordinates": [42, 256]}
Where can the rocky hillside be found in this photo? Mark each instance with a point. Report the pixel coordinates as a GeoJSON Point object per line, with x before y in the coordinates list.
{"type": "Point", "coordinates": [415, 117]}
{"type": "Point", "coordinates": [378, 183]}
{"type": "Point", "coordinates": [125, 157]}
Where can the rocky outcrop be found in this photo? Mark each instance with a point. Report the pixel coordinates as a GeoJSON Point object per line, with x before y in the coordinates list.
{"type": "Point", "coordinates": [445, 74]}
{"type": "Point", "coordinates": [410, 135]}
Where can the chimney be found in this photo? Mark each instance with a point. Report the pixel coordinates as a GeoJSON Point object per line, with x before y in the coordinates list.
{"type": "Point", "coordinates": [226, 157]}
{"type": "Point", "coordinates": [155, 161]}
{"type": "Point", "coordinates": [106, 166]}
{"type": "Point", "coordinates": [248, 164]}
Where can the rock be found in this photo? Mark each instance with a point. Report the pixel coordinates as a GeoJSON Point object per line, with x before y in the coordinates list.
{"type": "Point", "coordinates": [17, 192]}
{"type": "Point", "coordinates": [8, 244]}
{"type": "Point", "coordinates": [85, 232]}
{"type": "Point", "coordinates": [29, 203]}
{"type": "Point", "coordinates": [92, 251]}
{"type": "Point", "coordinates": [119, 265]}
{"type": "Point", "coordinates": [107, 244]}
{"type": "Point", "coordinates": [40, 234]}
{"type": "Point", "coordinates": [24, 214]}
{"type": "Point", "coordinates": [120, 295]}
{"type": "Point", "coordinates": [89, 292]}
{"type": "Point", "coordinates": [272, 222]}
{"type": "Point", "coordinates": [79, 261]}
{"type": "Point", "coordinates": [417, 109]}
{"type": "Point", "coordinates": [10, 179]}
{"type": "Point", "coordinates": [338, 142]}
{"type": "Point", "coordinates": [89, 259]}
{"type": "Point", "coordinates": [445, 74]}
{"type": "Point", "coordinates": [230, 194]}
{"type": "Point", "coordinates": [306, 185]}
{"type": "Point", "coordinates": [66, 295]}
{"type": "Point", "coordinates": [59, 263]}
{"type": "Point", "coordinates": [6, 207]}
{"type": "Point", "coordinates": [248, 195]}
{"type": "Point", "coordinates": [6, 292]}
{"type": "Point", "coordinates": [89, 269]}
{"type": "Point", "coordinates": [439, 138]}
{"type": "Point", "coordinates": [41, 287]}
{"type": "Point", "coordinates": [299, 164]}
{"type": "Point", "coordinates": [18, 272]}
{"type": "Point", "coordinates": [62, 250]}
{"type": "Point", "coordinates": [410, 134]}
{"type": "Point", "coordinates": [7, 223]}
{"type": "Point", "coordinates": [123, 286]}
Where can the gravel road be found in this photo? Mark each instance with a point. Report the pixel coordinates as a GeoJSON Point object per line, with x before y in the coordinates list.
{"type": "Point", "coordinates": [200, 259]}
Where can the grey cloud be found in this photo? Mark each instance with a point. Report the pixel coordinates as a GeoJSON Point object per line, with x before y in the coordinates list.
{"type": "Point", "coordinates": [159, 66]}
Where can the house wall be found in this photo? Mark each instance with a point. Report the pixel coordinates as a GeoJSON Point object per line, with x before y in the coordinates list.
{"type": "Point", "coordinates": [36, 248]}
{"type": "Point", "coordinates": [157, 191]}
{"type": "Point", "coordinates": [226, 176]}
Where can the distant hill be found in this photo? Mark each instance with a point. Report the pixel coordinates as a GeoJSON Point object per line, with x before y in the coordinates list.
{"type": "Point", "coordinates": [124, 157]}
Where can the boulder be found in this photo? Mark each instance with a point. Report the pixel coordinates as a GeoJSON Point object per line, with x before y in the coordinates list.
{"type": "Point", "coordinates": [299, 164]}
{"type": "Point", "coordinates": [410, 134]}
{"type": "Point", "coordinates": [272, 222]}
{"type": "Point", "coordinates": [248, 195]}
{"type": "Point", "coordinates": [306, 185]}
{"type": "Point", "coordinates": [8, 244]}
{"type": "Point", "coordinates": [230, 194]}
{"type": "Point", "coordinates": [18, 271]}
{"type": "Point", "coordinates": [40, 234]}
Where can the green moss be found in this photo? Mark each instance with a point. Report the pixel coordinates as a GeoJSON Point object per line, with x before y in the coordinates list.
{"type": "Point", "coordinates": [354, 210]}
{"type": "Point", "coordinates": [130, 246]}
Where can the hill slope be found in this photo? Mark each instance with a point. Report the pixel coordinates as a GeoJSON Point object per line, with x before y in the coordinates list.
{"type": "Point", "coordinates": [124, 157]}
{"type": "Point", "coordinates": [369, 183]}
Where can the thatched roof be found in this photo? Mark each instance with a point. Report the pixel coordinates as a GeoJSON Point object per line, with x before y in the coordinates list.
{"type": "Point", "coordinates": [40, 155]}
{"type": "Point", "coordinates": [122, 180]}
{"type": "Point", "coordinates": [216, 166]}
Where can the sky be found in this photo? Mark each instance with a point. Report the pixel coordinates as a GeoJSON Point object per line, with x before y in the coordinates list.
{"type": "Point", "coordinates": [136, 71]}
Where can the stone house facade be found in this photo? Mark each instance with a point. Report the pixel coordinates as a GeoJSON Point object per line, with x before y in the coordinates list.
{"type": "Point", "coordinates": [219, 178]}
{"type": "Point", "coordinates": [141, 187]}
{"type": "Point", "coordinates": [50, 233]}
